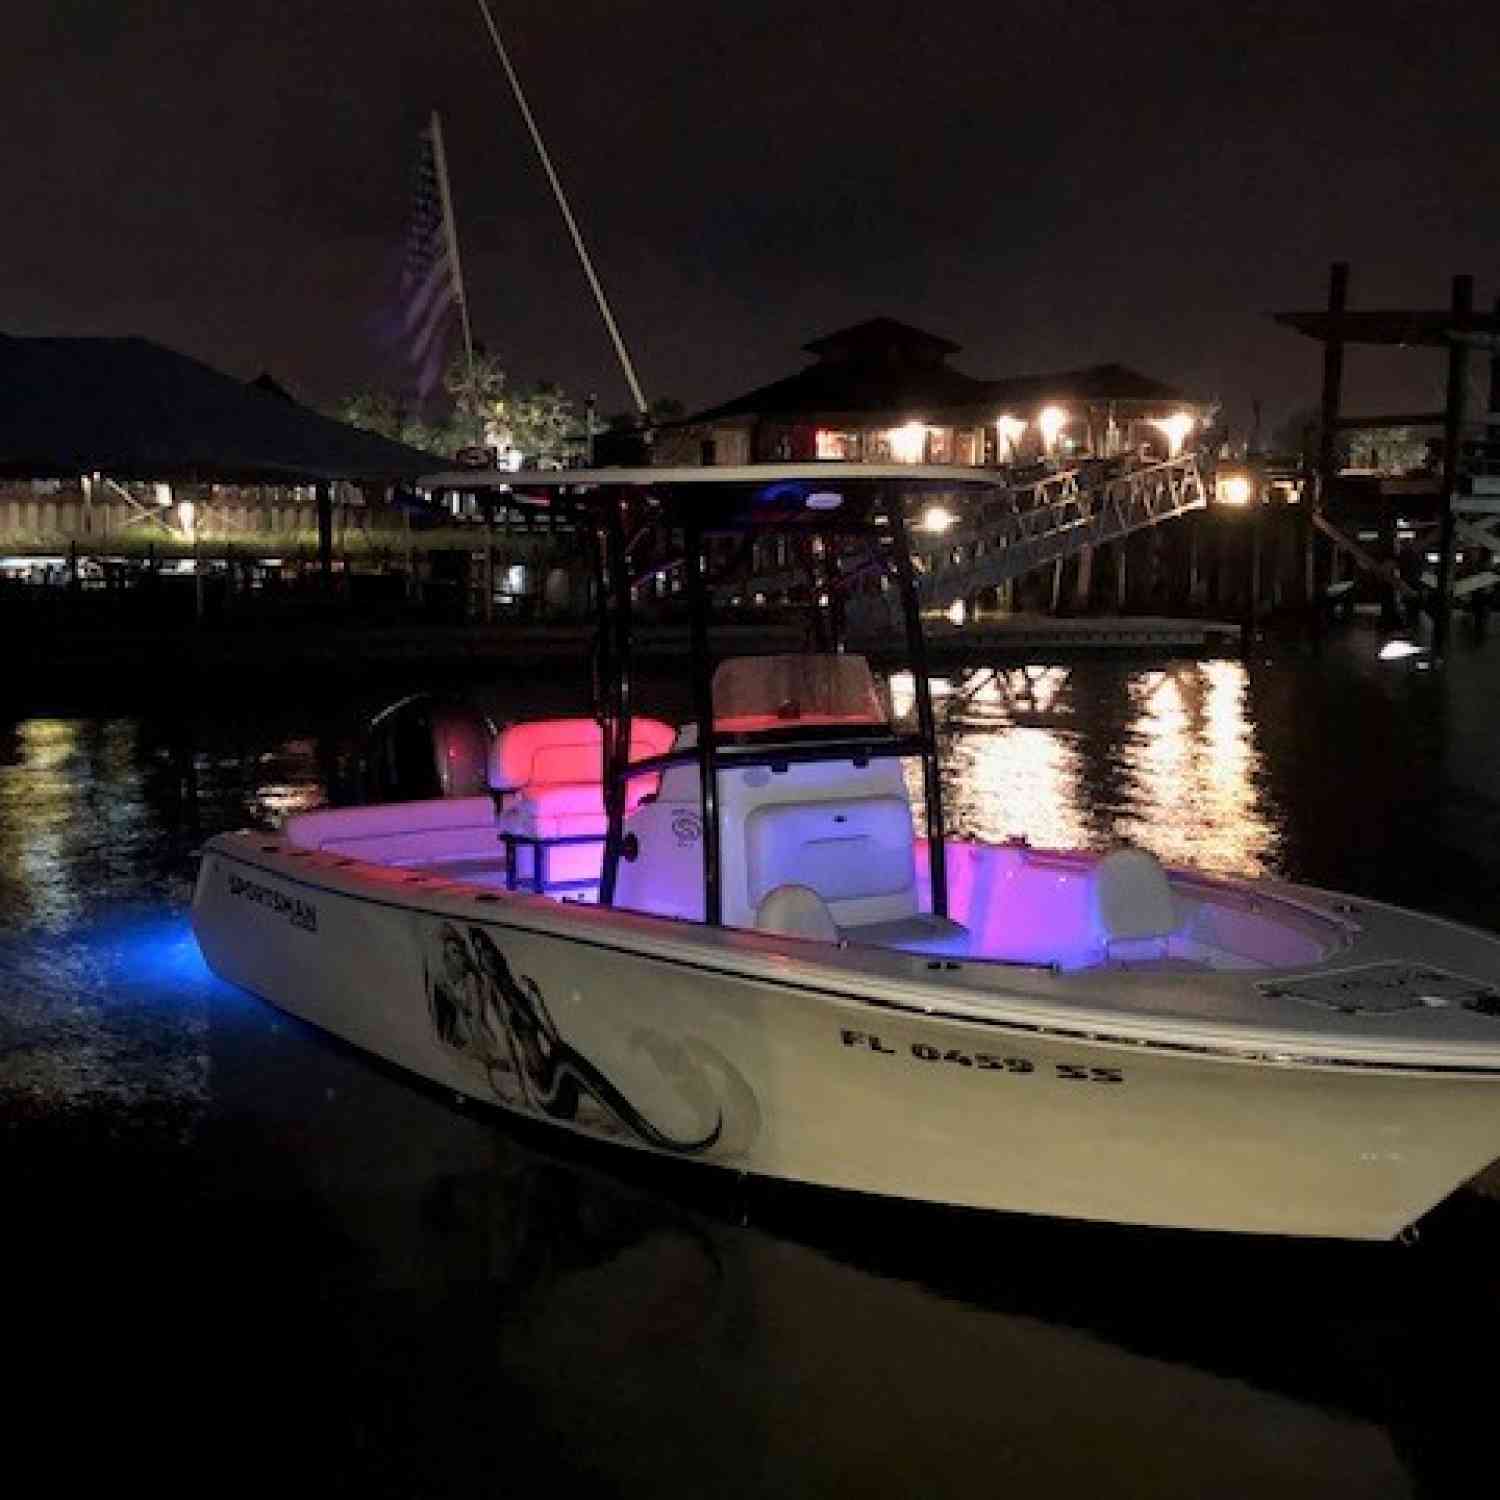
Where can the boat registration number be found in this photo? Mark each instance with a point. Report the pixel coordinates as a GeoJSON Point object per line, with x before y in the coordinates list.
{"type": "Point", "coordinates": [983, 1062]}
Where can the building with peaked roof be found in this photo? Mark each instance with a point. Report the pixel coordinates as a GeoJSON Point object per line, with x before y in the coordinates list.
{"type": "Point", "coordinates": [133, 409]}
{"type": "Point", "coordinates": [883, 391]}
{"type": "Point", "coordinates": [113, 435]}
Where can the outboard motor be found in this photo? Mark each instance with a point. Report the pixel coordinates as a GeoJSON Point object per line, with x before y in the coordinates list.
{"type": "Point", "coordinates": [423, 747]}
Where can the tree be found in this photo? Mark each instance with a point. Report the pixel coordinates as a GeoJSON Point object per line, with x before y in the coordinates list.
{"type": "Point", "coordinates": [1301, 434]}
{"type": "Point", "coordinates": [390, 416]}
{"type": "Point", "coordinates": [546, 426]}
{"type": "Point", "coordinates": [1392, 450]}
{"type": "Point", "coordinates": [543, 423]}
{"type": "Point", "coordinates": [478, 389]}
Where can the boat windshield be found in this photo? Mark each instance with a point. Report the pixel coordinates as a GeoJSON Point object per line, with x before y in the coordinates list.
{"type": "Point", "coordinates": [781, 695]}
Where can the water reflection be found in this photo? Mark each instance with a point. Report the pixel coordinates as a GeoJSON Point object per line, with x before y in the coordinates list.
{"type": "Point", "coordinates": [1164, 757]}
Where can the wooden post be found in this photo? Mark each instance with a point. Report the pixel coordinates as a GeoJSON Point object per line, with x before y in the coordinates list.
{"type": "Point", "coordinates": [1494, 401]}
{"type": "Point", "coordinates": [1332, 405]}
{"type": "Point", "coordinates": [1084, 586]}
{"type": "Point", "coordinates": [488, 613]}
{"type": "Point", "coordinates": [1454, 412]}
{"type": "Point", "coordinates": [325, 534]}
{"type": "Point", "coordinates": [1252, 567]}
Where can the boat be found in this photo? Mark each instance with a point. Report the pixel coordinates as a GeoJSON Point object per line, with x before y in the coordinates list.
{"type": "Point", "coordinates": [732, 942]}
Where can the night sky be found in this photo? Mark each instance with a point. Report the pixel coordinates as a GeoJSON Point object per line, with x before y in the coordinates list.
{"type": "Point", "coordinates": [1047, 185]}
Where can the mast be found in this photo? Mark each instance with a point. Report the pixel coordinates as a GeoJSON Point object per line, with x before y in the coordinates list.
{"type": "Point", "coordinates": [567, 213]}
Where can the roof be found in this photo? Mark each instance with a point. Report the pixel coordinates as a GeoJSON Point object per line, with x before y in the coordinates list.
{"type": "Point", "coordinates": [1432, 328]}
{"type": "Point", "coordinates": [852, 389]}
{"type": "Point", "coordinates": [135, 409]}
{"type": "Point", "coordinates": [883, 338]}
{"type": "Point", "coordinates": [1094, 383]}
{"type": "Point", "coordinates": [888, 369]}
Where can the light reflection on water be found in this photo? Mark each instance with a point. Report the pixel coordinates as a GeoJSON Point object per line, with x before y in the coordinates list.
{"type": "Point", "coordinates": [1163, 757]}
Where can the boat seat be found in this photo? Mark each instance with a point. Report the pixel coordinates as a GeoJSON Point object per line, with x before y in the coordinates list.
{"type": "Point", "coordinates": [799, 911]}
{"type": "Point", "coordinates": [924, 932]}
{"type": "Point", "coordinates": [549, 773]}
{"type": "Point", "coordinates": [1131, 903]}
{"type": "Point", "coordinates": [796, 911]}
{"type": "Point", "coordinates": [401, 833]}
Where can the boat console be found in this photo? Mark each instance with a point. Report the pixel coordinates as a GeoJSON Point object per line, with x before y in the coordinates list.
{"type": "Point", "coordinates": [835, 830]}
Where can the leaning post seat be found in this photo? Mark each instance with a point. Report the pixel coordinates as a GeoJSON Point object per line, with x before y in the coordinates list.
{"type": "Point", "coordinates": [548, 773]}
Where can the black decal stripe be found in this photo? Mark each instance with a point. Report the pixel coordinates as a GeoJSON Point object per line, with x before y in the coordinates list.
{"type": "Point", "coordinates": [593, 1082]}
{"type": "Point", "coordinates": [993, 1023]}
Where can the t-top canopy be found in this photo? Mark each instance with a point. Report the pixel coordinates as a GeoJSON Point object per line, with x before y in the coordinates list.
{"type": "Point", "coordinates": [819, 496]}
{"type": "Point", "coordinates": [776, 694]}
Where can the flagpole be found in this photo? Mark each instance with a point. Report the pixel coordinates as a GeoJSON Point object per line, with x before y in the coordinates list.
{"type": "Point", "coordinates": [567, 213]}
{"type": "Point", "coordinates": [450, 230]}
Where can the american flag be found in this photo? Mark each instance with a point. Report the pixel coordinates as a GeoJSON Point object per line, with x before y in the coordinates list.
{"type": "Point", "coordinates": [430, 285]}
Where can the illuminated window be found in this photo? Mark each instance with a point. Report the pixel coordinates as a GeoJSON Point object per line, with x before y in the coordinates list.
{"type": "Point", "coordinates": [908, 443]}
{"type": "Point", "coordinates": [1008, 433]}
{"type": "Point", "coordinates": [1050, 422]}
{"type": "Point", "coordinates": [838, 445]}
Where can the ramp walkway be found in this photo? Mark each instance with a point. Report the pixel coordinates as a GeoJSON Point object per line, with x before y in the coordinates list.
{"type": "Point", "coordinates": [1028, 526]}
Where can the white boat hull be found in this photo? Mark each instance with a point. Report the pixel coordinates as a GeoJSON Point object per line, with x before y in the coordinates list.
{"type": "Point", "coordinates": [717, 1048]}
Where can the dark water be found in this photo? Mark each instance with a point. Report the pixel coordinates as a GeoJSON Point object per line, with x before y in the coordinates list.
{"type": "Point", "coordinates": [241, 1254]}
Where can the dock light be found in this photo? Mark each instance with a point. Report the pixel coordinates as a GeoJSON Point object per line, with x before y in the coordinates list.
{"type": "Point", "coordinates": [1050, 421]}
{"type": "Point", "coordinates": [1176, 429]}
{"type": "Point", "coordinates": [1008, 430]}
{"type": "Point", "coordinates": [956, 613]}
{"type": "Point", "coordinates": [908, 443]}
{"type": "Point", "coordinates": [1234, 489]}
{"type": "Point", "coordinates": [1400, 650]}
{"type": "Point", "coordinates": [936, 519]}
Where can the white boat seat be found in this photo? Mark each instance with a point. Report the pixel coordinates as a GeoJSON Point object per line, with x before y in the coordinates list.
{"type": "Point", "coordinates": [1131, 903]}
{"type": "Point", "coordinates": [401, 833]}
{"type": "Point", "coordinates": [539, 758]}
{"type": "Point", "coordinates": [550, 774]}
{"type": "Point", "coordinates": [796, 911]}
{"type": "Point", "coordinates": [799, 911]}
